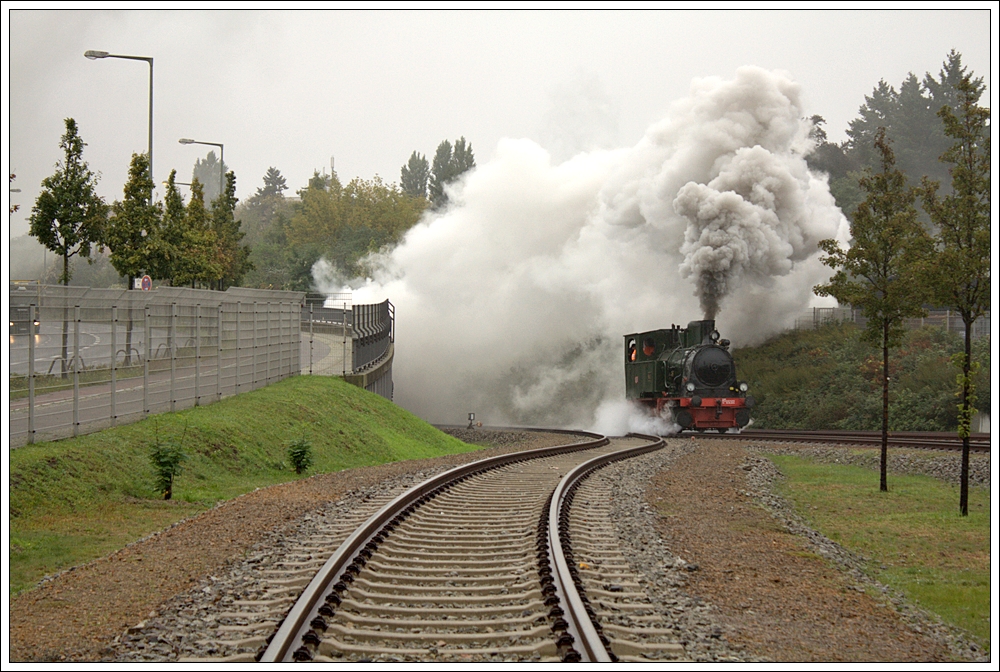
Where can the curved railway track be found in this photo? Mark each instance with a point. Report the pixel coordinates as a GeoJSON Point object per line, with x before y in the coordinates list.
{"type": "Point", "coordinates": [512, 558]}
{"type": "Point", "coordinates": [927, 440]}
{"type": "Point", "coordinates": [496, 560]}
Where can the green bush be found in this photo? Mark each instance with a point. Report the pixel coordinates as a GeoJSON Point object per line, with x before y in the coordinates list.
{"type": "Point", "coordinates": [829, 379]}
{"type": "Point", "coordinates": [166, 457]}
{"type": "Point", "coordinates": [300, 454]}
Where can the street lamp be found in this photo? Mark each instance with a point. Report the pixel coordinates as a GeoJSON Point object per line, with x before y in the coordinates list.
{"type": "Point", "coordinates": [222, 156]}
{"type": "Point", "coordinates": [94, 55]}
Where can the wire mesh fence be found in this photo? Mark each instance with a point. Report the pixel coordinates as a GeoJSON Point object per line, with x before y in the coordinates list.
{"type": "Point", "coordinates": [84, 359]}
{"type": "Point", "coordinates": [948, 320]}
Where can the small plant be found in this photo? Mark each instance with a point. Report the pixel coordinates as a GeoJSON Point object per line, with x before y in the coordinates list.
{"type": "Point", "coordinates": [300, 454]}
{"type": "Point", "coordinates": [166, 457]}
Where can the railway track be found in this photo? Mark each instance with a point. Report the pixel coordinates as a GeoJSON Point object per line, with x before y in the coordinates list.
{"type": "Point", "coordinates": [509, 559]}
{"type": "Point", "coordinates": [927, 440]}
{"type": "Point", "coordinates": [470, 565]}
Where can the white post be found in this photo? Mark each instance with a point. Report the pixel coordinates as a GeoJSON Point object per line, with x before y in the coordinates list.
{"type": "Point", "coordinates": [236, 384]}
{"type": "Point", "coordinates": [173, 354]}
{"type": "Point", "coordinates": [145, 364]}
{"type": "Point", "coordinates": [218, 352]}
{"type": "Point", "coordinates": [197, 354]}
{"type": "Point", "coordinates": [76, 370]}
{"type": "Point", "coordinates": [32, 316]}
{"type": "Point", "coordinates": [114, 358]}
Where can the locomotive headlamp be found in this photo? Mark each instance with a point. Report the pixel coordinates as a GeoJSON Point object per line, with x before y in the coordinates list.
{"type": "Point", "coordinates": [715, 336]}
{"type": "Point", "coordinates": [744, 387]}
{"type": "Point", "coordinates": [690, 387]}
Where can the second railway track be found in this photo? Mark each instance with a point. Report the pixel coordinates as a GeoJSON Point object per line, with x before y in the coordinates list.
{"type": "Point", "coordinates": [922, 440]}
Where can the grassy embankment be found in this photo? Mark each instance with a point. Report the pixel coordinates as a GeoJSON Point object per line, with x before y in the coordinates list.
{"type": "Point", "coordinates": [78, 499]}
{"type": "Point", "coordinates": [913, 534]}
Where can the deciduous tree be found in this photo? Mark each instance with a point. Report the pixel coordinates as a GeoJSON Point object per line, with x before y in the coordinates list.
{"type": "Point", "coordinates": [134, 224]}
{"type": "Point", "coordinates": [69, 216]}
{"type": "Point", "coordinates": [959, 274]}
{"type": "Point", "coordinates": [198, 260]}
{"type": "Point", "coordinates": [132, 231]}
{"type": "Point", "coordinates": [233, 257]}
{"type": "Point", "coordinates": [880, 273]}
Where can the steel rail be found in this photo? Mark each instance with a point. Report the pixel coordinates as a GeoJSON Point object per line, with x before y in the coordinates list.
{"type": "Point", "coordinates": [579, 623]}
{"type": "Point", "coordinates": [343, 564]}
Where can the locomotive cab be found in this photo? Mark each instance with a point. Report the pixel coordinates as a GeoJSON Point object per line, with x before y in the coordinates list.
{"type": "Point", "coordinates": [688, 373]}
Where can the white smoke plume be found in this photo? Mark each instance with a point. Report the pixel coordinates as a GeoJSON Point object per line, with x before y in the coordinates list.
{"type": "Point", "coordinates": [618, 417]}
{"type": "Point", "coordinates": [513, 302]}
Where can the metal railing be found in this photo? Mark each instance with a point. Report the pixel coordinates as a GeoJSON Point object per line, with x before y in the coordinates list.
{"type": "Point", "coordinates": [353, 341]}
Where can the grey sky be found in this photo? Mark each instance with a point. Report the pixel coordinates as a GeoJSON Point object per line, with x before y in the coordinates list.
{"type": "Point", "coordinates": [290, 89]}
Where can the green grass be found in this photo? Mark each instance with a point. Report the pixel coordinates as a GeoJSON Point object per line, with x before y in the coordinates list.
{"type": "Point", "coordinates": [913, 534]}
{"type": "Point", "coordinates": [75, 500]}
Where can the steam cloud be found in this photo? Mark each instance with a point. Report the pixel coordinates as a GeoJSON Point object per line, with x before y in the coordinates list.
{"type": "Point", "coordinates": [513, 302]}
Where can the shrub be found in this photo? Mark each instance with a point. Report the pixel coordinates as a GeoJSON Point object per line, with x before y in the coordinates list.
{"type": "Point", "coordinates": [300, 454]}
{"type": "Point", "coordinates": [166, 457]}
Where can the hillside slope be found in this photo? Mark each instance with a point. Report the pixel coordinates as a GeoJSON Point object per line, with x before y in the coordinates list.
{"type": "Point", "coordinates": [77, 499]}
{"type": "Point", "coordinates": [829, 379]}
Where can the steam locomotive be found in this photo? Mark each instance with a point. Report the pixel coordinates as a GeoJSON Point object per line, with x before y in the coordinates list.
{"type": "Point", "coordinates": [688, 373]}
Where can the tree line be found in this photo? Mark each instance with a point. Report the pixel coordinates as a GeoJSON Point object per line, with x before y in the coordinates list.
{"type": "Point", "coordinates": [268, 241]}
{"type": "Point", "coordinates": [169, 241]}
{"type": "Point", "coordinates": [896, 265]}
{"type": "Point", "coordinates": [342, 223]}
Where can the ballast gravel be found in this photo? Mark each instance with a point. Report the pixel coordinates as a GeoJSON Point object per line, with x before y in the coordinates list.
{"type": "Point", "coordinates": [698, 522]}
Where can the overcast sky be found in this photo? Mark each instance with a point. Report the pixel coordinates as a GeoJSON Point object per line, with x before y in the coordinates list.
{"type": "Point", "coordinates": [292, 89]}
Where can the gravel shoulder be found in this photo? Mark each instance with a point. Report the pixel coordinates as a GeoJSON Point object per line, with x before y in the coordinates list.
{"type": "Point", "coordinates": [779, 591]}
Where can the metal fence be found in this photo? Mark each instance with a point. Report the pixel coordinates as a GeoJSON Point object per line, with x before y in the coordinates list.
{"type": "Point", "coordinates": [84, 359]}
{"type": "Point", "coordinates": [328, 335]}
{"type": "Point", "coordinates": [946, 319]}
{"type": "Point", "coordinates": [353, 341]}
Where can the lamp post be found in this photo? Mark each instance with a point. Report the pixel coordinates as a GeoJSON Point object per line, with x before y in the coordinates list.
{"type": "Point", "coordinates": [94, 55]}
{"type": "Point", "coordinates": [222, 156]}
